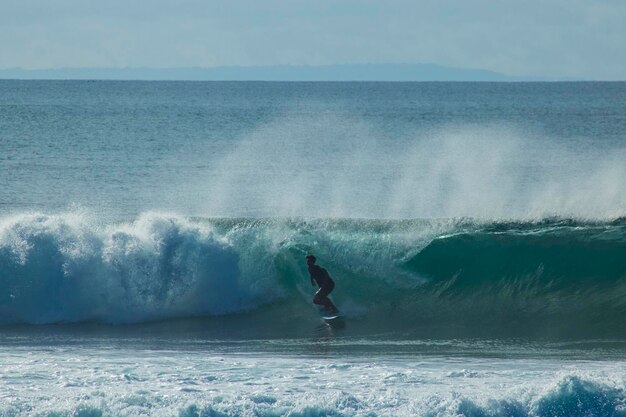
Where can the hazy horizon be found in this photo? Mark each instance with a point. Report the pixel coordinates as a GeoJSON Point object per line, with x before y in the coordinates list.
{"type": "Point", "coordinates": [341, 72]}
{"type": "Point", "coordinates": [551, 39]}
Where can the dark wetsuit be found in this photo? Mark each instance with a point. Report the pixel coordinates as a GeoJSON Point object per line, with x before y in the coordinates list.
{"type": "Point", "coordinates": [323, 280]}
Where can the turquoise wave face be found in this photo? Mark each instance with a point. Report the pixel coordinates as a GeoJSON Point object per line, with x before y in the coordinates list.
{"type": "Point", "coordinates": [416, 277]}
{"type": "Point", "coordinates": [568, 255]}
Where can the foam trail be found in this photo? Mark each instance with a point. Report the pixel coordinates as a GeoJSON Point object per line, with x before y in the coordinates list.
{"type": "Point", "coordinates": [192, 383]}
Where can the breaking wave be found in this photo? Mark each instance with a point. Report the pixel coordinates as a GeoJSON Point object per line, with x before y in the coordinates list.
{"type": "Point", "coordinates": [559, 275]}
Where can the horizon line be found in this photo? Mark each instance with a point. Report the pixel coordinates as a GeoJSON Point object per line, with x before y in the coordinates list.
{"type": "Point", "coordinates": [382, 72]}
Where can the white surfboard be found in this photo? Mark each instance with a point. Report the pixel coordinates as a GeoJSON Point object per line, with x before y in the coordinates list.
{"type": "Point", "coordinates": [330, 318]}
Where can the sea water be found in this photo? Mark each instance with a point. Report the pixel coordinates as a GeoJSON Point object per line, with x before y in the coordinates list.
{"type": "Point", "coordinates": [153, 234]}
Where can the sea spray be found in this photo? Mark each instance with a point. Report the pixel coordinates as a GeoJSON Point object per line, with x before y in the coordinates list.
{"type": "Point", "coordinates": [330, 166]}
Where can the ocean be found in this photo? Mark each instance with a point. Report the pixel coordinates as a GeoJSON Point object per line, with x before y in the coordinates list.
{"type": "Point", "coordinates": [153, 235]}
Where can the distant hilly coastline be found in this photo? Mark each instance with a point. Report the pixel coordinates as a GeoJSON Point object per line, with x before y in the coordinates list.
{"type": "Point", "coordinates": [347, 72]}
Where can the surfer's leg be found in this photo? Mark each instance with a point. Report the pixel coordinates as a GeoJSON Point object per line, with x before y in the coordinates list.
{"type": "Point", "coordinates": [321, 297]}
{"type": "Point", "coordinates": [330, 306]}
{"type": "Point", "coordinates": [322, 300]}
{"type": "Point", "coordinates": [318, 297]}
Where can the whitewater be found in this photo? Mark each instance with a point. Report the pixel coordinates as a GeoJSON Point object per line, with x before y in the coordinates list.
{"type": "Point", "coordinates": [153, 235]}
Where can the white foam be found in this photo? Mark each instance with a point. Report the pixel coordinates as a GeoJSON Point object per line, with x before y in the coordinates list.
{"type": "Point", "coordinates": [66, 267]}
{"type": "Point", "coordinates": [127, 381]}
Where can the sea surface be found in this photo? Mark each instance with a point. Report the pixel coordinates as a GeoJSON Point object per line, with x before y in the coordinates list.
{"type": "Point", "coordinates": [153, 235]}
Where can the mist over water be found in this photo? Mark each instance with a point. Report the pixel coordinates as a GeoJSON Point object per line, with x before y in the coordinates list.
{"type": "Point", "coordinates": [331, 167]}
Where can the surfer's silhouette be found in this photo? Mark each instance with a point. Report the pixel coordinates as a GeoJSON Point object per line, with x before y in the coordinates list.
{"type": "Point", "coordinates": [320, 276]}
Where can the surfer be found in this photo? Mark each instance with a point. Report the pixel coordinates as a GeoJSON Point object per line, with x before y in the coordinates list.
{"type": "Point", "coordinates": [320, 276]}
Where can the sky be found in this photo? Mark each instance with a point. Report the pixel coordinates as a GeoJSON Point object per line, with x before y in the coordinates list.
{"type": "Point", "coordinates": [547, 38]}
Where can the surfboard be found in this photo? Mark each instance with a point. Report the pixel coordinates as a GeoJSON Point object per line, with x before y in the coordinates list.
{"type": "Point", "coordinates": [331, 318]}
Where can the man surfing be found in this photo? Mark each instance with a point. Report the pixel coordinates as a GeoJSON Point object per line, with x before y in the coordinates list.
{"type": "Point", "coordinates": [320, 276]}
